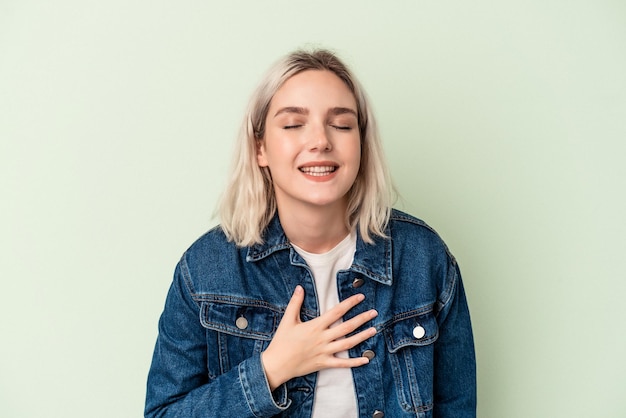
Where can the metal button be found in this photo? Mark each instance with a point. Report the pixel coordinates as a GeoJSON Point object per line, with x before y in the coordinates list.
{"type": "Point", "coordinates": [419, 332]}
{"type": "Point", "coordinates": [369, 354]}
{"type": "Point", "coordinates": [241, 322]}
{"type": "Point", "coordinates": [357, 282]}
{"type": "Point", "coordinates": [378, 414]}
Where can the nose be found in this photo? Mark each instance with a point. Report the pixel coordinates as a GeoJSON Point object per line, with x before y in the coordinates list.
{"type": "Point", "coordinates": [319, 140]}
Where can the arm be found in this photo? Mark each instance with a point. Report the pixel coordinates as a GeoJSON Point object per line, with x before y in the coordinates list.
{"type": "Point", "coordinates": [455, 362]}
{"type": "Point", "coordinates": [178, 382]}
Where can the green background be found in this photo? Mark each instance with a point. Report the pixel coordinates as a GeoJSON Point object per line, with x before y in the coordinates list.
{"type": "Point", "coordinates": [503, 122]}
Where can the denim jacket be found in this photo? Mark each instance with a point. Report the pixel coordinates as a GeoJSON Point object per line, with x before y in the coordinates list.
{"type": "Point", "coordinates": [225, 304]}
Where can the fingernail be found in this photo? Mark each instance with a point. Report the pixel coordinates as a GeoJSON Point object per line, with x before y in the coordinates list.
{"type": "Point", "coordinates": [298, 289]}
{"type": "Point", "coordinates": [373, 313]}
{"type": "Point", "coordinates": [360, 297]}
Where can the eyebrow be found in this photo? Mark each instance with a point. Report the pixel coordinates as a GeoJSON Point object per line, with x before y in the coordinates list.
{"type": "Point", "coordinates": [335, 111]}
{"type": "Point", "coordinates": [293, 109]}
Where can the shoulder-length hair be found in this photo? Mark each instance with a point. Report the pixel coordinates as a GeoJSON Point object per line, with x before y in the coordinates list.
{"type": "Point", "coordinates": [249, 203]}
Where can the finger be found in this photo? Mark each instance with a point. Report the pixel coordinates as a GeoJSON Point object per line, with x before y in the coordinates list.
{"type": "Point", "coordinates": [339, 310]}
{"type": "Point", "coordinates": [343, 363]}
{"type": "Point", "coordinates": [345, 328]}
{"type": "Point", "coordinates": [292, 311]}
{"type": "Point", "coordinates": [344, 344]}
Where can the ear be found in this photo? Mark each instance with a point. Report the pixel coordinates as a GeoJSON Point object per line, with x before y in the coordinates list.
{"type": "Point", "coordinates": [260, 153]}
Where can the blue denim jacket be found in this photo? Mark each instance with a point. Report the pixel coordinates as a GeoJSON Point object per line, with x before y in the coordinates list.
{"type": "Point", "coordinates": [207, 359]}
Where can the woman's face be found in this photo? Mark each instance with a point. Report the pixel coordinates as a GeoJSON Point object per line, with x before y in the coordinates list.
{"type": "Point", "coordinates": [311, 144]}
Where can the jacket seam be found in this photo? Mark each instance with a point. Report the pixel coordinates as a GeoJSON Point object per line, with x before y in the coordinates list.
{"type": "Point", "coordinates": [448, 293]}
{"type": "Point", "coordinates": [186, 274]}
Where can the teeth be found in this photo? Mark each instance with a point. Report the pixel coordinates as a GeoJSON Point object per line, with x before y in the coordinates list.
{"type": "Point", "coordinates": [318, 170]}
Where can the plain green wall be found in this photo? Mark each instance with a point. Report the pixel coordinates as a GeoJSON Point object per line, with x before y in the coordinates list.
{"type": "Point", "coordinates": [504, 123]}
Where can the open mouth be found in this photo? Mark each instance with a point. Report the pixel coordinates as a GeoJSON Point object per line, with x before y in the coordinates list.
{"type": "Point", "coordinates": [318, 171]}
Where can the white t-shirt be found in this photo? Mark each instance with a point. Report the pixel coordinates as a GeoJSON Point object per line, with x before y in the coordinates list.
{"type": "Point", "coordinates": [334, 392]}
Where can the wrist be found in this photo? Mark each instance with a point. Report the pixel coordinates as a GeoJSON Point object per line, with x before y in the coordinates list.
{"type": "Point", "coordinates": [272, 372]}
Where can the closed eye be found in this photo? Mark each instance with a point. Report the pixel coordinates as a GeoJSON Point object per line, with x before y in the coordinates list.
{"type": "Point", "coordinates": [342, 127]}
{"type": "Point", "coordinates": [292, 126]}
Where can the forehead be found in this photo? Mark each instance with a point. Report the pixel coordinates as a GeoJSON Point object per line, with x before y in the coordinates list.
{"type": "Point", "coordinates": [314, 88]}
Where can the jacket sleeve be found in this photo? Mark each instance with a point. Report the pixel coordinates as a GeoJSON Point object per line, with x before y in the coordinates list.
{"type": "Point", "coordinates": [455, 361]}
{"type": "Point", "coordinates": [179, 384]}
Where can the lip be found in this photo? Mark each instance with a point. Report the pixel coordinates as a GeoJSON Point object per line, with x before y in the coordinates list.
{"type": "Point", "coordinates": [319, 164]}
{"type": "Point", "coordinates": [319, 175]}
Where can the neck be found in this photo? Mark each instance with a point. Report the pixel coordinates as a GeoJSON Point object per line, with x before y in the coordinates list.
{"type": "Point", "coordinates": [317, 230]}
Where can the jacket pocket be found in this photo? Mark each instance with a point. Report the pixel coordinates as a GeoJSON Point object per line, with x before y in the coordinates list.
{"type": "Point", "coordinates": [410, 339]}
{"type": "Point", "coordinates": [236, 330]}
{"type": "Point", "coordinates": [411, 330]}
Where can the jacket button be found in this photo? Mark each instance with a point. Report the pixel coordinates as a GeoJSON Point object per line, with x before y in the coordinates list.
{"type": "Point", "coordinates": [241, 322]}
{"type": "Point", "coordinates": [369, 354]}
{"type": "Point", "coordinates": [419, 332]}
{"type": "Point", "coordinates": [378, 414]}
{"type": "Point", "coordinates": [357, 282]}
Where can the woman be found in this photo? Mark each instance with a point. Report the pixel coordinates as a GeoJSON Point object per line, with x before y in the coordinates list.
{"type": "Point", "coordinates": [313, 298]}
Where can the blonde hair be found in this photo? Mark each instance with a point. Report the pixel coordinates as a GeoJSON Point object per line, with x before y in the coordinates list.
{"type": "Point", "coordinates": [248, 203]}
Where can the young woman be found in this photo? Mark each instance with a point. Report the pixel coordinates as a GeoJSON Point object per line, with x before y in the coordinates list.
{"type": "Point", "coordinates": [313, 298]}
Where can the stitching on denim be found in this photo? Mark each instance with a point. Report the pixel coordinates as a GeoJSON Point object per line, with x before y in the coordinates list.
{"type": "Point", "coordinates": [186, 275]}
{"type": "Point", "coordinates": [405, 403]}
{"type": "Point", "coordinates": [397, 375]}
{"type": "Point", "coordinates": [223, 353]}
{"type": "Point", "coordinates": [309, 313]}
{"type": "Point", "coordinates": [235, 300]}
{"type": "Point", "coordinates": [382, 279]}
{"type": "Point", "coordinates": [412, 378]}
{"type": "Point", "coordinates": [229, 329]}
{"type": "Point", "coordinates": [217, 326]}
{"type": "Point", "coordinates": [395, 345]}
{"type": "Point", "coordinates": [446, 296]}
{"type": "Point", "coordinates": [247, 389]}
{"type": "Point", "coordinates": [253, 255]}
{"type": "Point", "coordinates": [424, 310]}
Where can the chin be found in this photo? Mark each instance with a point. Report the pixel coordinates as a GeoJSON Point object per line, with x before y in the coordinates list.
{"type": "Point", "coordinates": [323, 201]}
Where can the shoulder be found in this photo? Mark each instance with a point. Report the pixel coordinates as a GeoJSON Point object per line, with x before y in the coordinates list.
{"type": "Point", "coordinates": [399, 217]}
{"type": "Point", "coordinates": [214, 237]}
{"type": "Point", "coordinates": [406, 229]}
{"type": "Point", "coordinates": [210, 262]}
{"type": "Point", "coordinates": [420, 252]}
{"type": "Point", "coordinates": [210, 250]}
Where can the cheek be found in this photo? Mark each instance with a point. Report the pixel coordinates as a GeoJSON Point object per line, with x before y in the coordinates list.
{"type": "Point", "coordinates": [356, 152]}
{"type": "Point", "coordinates": [355, 159]}
{"type": "Point", "coordinates": [277, 151]}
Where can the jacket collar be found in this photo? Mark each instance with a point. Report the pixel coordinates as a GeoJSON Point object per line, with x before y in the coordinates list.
{"type": "Point", "coordinates": [370, 260]}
